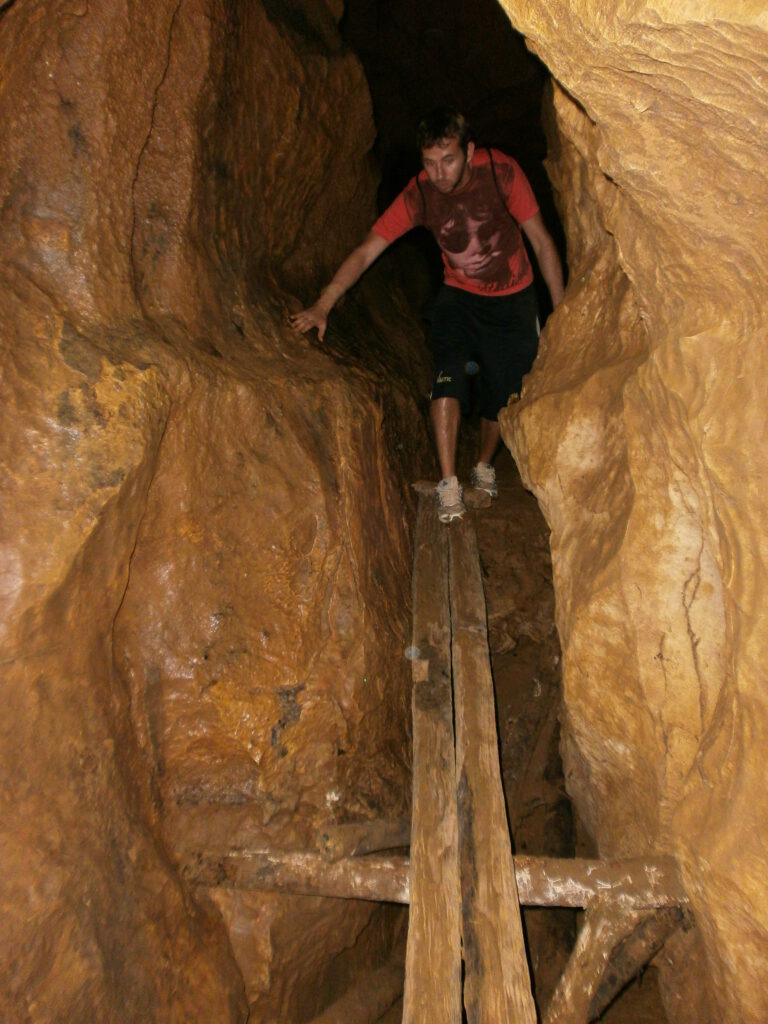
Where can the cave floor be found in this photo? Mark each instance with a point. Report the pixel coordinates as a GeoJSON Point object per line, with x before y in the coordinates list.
{"type": "Point", "coordinates": [513, 540]}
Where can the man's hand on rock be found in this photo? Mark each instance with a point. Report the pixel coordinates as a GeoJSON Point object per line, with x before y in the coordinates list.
{"type": "Point", "coordinates": [306, 319]}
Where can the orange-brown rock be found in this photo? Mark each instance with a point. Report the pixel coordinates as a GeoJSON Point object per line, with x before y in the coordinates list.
{"type": "Point", "coordinates": [204, 529]}
{"type": "Point", "coordinates": [642, 432]}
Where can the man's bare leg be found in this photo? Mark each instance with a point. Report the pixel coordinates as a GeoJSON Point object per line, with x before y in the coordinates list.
{"type": "Point", "coordinates": [489, 440]}
{"type": "Point", "coordinates": [446, 417]}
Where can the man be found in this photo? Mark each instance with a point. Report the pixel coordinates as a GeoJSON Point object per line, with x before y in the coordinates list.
{"type": "Point", "coordinates": [475, 201]}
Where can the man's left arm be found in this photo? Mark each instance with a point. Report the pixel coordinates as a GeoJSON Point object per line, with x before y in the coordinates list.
{"type": "Point", "coordinates": [546, 256]}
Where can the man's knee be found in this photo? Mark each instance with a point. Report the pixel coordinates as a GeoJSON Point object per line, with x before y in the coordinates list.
{"type": "Point", "coordinates": [451, 381]}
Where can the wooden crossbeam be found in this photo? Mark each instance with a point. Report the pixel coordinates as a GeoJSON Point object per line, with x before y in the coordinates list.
{"type": "Point", "coordinates": [433, 952]}
{"type": "Point", "coordinates": [649, 883]}
{"type": "Point", "coordinates": [497, 986]}
{"type": "Point", "coordinates": [381, 878]}
{"type": "Point", "coordinates": [576, 882]}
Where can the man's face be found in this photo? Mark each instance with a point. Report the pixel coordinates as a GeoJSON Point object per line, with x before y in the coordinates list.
{"type": "Point", "coordinates": [447, 166]}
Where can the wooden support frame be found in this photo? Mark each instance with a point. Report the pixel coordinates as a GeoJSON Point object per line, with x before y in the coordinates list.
{"type": "Point", "coordinates": [633, 906]}
{"type": "Point", "coordinates": [463, 885]}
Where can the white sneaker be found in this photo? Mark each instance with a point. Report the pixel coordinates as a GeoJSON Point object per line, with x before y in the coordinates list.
{"type": "Point", "coordinates": [484, 479]}
{"type": "Point", "coordinates": [450, 499]}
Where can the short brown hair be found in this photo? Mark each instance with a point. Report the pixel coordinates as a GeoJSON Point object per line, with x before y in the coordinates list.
{"type": "Point", "coordinates": [441, 124]}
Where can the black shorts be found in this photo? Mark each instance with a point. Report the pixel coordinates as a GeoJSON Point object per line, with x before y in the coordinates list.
{"type": "Point", "coordinates": [497, 336]}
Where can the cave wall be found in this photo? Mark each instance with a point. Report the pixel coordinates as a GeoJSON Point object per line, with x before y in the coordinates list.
{"type": "Point", "coordinates": [642, 432]}
{"type": "Point", "coordinates": [204, 533]}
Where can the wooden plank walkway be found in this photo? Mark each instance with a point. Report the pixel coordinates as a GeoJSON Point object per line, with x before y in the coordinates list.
{"type": "Point", "coordinates": [463, 885]}
{"type": "Point", "coordinates": [497, 985]}
{"type": "Point", "coordinates": [462, 784]}
{"type": "Point", "coordinates": [433, 952]}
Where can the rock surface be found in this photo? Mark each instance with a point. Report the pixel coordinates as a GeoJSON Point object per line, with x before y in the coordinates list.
{"type": "Point", "coordinates": [204, 541]}
{"type": "Point", "coordinates": [204, 533]}
{"type": "Point", "coordinates": [642, 433]}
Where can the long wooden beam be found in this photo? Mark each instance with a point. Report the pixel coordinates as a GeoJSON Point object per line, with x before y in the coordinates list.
{"type": "Point", "coordinates": [433, 951]}
{"type": "Point", "coordinates": [541, 881]}
{"type": "Point", "coordinates": [497, 983]}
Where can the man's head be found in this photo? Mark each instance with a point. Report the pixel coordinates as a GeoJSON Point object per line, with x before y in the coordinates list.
{"type": "Point", "coordinates": [442, 124]}
{"type": "Point", "coordinates": [446, 150]}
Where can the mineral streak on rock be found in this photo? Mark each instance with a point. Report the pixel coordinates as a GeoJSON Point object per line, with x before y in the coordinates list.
{"type": "Point", "coordinates": [205, 555]}
{"type": "Point", "coordinates": [642, 433]}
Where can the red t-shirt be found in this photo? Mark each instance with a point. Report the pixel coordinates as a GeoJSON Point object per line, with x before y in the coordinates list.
{"type": "Point", "coordinates": [482, 246]}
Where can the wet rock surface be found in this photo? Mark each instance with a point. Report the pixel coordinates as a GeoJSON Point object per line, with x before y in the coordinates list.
{"type": "Point", "coordinates": [205, 529]}
{"type": "Point", "coordinates": [205, 517]}
{"type": "Point", "coordinates": [641, 432]}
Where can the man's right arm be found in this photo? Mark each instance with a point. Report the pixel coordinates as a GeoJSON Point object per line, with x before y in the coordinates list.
{"type": "Point", "coordinates": [350, 271]}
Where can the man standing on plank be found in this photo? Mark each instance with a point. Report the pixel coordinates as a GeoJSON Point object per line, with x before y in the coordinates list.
{"type": "Point", "coordinates": [475, 202]}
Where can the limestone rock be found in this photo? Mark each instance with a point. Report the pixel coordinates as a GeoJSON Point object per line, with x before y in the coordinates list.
{"type": "Point", "coordinates": [205, 517]}
{"type": "Point", "coordinates": [642, 432]}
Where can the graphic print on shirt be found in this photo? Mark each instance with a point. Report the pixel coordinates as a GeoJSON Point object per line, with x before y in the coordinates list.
{"type": "Point", "coordinates": [470, 239]}
{"type": "Point", "coordinates": [479, 238]}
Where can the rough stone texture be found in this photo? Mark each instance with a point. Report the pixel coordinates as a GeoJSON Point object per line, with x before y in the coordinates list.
{"type": "Point", "coordinates": [642, 432]}
{"type": "Point", "coordinates": [204, 551]}
{"type": "Point", "coordinates": [301, 971]}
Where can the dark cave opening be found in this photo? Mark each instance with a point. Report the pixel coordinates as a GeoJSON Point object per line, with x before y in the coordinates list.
{"type": "Point", "coordinates": [416, 59]}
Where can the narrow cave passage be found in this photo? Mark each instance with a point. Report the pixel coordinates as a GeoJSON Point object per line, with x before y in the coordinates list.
{"type": "Point", "coordinates": [414, 60]}
{"type": "Point", "coordinates": [207, 518]}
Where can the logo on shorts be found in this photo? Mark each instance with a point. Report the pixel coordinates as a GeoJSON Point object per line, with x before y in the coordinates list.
{"type": "Point", "coordinates": [443, 379]}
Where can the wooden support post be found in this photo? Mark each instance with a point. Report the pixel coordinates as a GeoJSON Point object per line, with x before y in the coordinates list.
{"type": "Point", "coordinates": [632, 955]}
{"type": "Point", "coordinates": [497, 987]}
{"type": "Point", "coordinates": [433, 956]}
{"type": "Point", "coordinates": [604, 928]}
{"type": "Point", "coordinates": [461, 879]}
